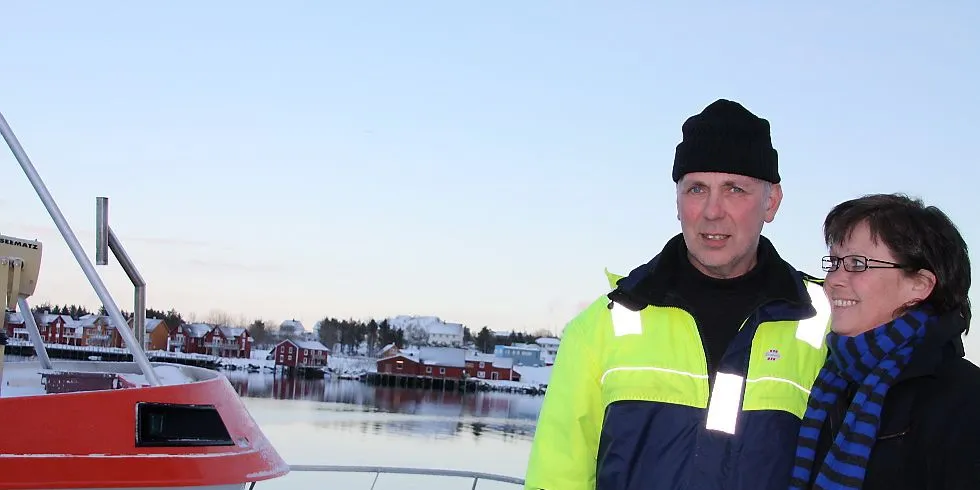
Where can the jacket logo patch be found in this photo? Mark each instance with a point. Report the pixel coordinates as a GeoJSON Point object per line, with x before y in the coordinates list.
{"type": "Point", "coordinates": [772, 355]}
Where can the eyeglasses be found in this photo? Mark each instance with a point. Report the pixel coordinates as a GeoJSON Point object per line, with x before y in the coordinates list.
{"type": "Point", "coordinates": [856, 263]}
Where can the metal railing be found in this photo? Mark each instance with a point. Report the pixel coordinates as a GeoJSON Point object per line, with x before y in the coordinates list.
{"type": "Point", "coordinates": [129, 337]}
{"type": "Point", "coordinates": [379, 470]}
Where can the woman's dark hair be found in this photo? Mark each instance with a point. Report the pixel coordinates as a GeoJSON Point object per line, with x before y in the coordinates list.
{"type": "Point", "coordinates": [920, 237]}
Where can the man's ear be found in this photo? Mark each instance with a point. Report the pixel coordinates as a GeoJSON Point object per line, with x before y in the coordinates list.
{"type": "Point", "coordinates": [772, 201]}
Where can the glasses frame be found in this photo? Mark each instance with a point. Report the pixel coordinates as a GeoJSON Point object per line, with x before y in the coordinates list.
{"type": "Point", "coordinates": [835, 263]}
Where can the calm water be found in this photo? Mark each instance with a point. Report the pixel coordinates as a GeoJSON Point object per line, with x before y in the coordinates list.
{"type": "Point", "coordinates": [342, 422]}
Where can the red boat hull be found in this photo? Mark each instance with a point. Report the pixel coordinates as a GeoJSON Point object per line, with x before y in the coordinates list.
{"type": "Point", "coordinates": [88, 440]}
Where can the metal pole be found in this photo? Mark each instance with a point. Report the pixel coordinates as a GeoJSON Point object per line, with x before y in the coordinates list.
{"type": "Point", "coordinates": [139, 304]}
{"type": "Point", "coordinates": [33, 332]}
{"type": "Point", "coordinates": [101, 230]}
{"type": "Point", "coordinates": [76, 249]}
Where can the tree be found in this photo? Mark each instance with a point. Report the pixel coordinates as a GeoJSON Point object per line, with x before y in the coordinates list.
{"type": "Point", "coordinates": [385, 334]}
{"type": "Point", "coordinates": [467, 335]}
{"type": "Point", "coordinates": [400, 338]}
{"type": "Point", "coordinates": [329, 332]}
{"type": "Point", "coordinates": [43, 308]}
{"type": "Point", "coordinates": [372, 336]}
{"type": "Point", "coordinates": [416, 335]}
{"type": "Point", "coordinates": [173, 318]}
{"type": "Point", "coordinates": [258, 331]}
{"type": "Point", "coordinates": [219, 317]}
{"type": "Point", "coordinates": [485, 341]}
{"type": "Point", "coordinates": [351, 335]}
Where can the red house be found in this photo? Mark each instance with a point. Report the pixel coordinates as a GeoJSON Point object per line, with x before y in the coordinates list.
{"type": "Point", "coordinates": [434, 362]}
{"type": "Point", "coordinates": [56, 329]}
{"type": "Point", "coordinates": [14, 325]}
{"type": "Point", "coordinates": [404, 364]}
{"type": "Point", "coordinates": [189, 338]}
{"type": "Point", "coordinates": [301, 353]}
{"type": "Point", "coordinates": [488, 366]}
{"type": "Point", "coordinates": [228, 342]}
{"type": "Point", "coordinates": [97, 330]}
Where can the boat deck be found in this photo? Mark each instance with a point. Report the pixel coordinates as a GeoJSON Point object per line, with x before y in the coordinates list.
{"type": "Point", "coordinates": [29, 378]}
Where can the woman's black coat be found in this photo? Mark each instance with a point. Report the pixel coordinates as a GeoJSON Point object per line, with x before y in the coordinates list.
{"type": "Point", "coordinates": [929, 438]}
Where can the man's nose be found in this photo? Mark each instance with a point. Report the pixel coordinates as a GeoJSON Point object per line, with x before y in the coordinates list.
{"type": "Point", "coordinates": [713, 208]}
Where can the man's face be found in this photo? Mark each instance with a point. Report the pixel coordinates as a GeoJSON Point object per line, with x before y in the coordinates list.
{"type": "Point", "coordinates": [722, 217]}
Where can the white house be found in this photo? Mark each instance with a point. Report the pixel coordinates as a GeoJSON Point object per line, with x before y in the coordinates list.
{"type": "Point", "coordinates": [440, 333]}
{"type": "Point", "coordinates": [450, 334]}
{"type": "Point", "coordinates": [291, 328]}
{"type": "Point", "coordinates": [549, 345]}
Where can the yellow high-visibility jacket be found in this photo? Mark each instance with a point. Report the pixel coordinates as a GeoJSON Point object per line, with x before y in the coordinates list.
{"type": "Point", "coordinates": [628, 404]}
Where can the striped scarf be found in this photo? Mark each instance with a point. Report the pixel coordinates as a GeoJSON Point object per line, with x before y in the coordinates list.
{"type": "Point", "coordinates": [871, 360]}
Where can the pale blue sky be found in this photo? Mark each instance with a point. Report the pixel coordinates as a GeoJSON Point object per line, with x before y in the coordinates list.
{"type": "Point", "coordinates": [482, 163]}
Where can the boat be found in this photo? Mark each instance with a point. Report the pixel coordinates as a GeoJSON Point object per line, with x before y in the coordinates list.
{"type": "Point", "coordinates": [97, 424]}
{"type": "Point", "coordinates": [100, 424]}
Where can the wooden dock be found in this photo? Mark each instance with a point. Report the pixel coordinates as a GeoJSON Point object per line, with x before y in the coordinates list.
{"type": "Point", "coordinates": [422, 382]}
{"type": "Point", "coordinates": [305, 372]}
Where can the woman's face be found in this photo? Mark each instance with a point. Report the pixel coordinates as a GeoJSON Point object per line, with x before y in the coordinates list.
{"type": "Point", "coordinates": [861, 301]}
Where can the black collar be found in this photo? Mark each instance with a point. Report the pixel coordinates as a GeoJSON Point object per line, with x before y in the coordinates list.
{"type": "Point", "coordinates": [942, 342]}
{"type": "Point", "coordinates": [652, 283]}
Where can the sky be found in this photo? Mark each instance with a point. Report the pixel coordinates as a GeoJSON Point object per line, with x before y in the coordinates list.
{"type": "Point", "coordinates": [478, 161]}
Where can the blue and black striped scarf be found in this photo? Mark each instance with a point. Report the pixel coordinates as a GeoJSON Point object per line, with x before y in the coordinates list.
{"type": "Point", "coordinates": [872, 360]}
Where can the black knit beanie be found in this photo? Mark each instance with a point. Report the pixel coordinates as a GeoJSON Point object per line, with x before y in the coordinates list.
{"type": "Point", "coordinates": [726, 137]}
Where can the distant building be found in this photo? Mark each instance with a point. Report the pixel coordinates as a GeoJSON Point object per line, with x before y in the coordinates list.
{"type": "Point", "coordinates": [158, 333]}
{"type": "Point", "coordinates": [301, 353]}
{"type": "Point", "coordinates": [97, 330]}
{"type": "Point", "coordinates": [448, 363]}
{"type": "Point", "coordinates": [189, 338]}
{"type": "Point", "coordinates": [387, 351]}
{"type": "Point", "coordinates": [439, 333]}
{"type": "Point", "coordinates": [548, 344]}
{"type": "Point", "coordinates": [550, 347]}
{"type": "Point", "coordinates": [447, 334]}
{"type": "Point", "coordinates": [14, 325]}
{"type": "Point", "coordinates": [522, 354]}
{"type": "Point", "coordinates": [436, 362]}
{"type": "Point", "coordinates": [229, 342]}
{"type": "Point", "coordinates": [291, 328]}
{"type": "Point", "coordinates": [488, 366]}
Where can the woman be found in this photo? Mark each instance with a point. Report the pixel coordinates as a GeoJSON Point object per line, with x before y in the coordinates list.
{"type": "Point", "coordinates": [896, 406]}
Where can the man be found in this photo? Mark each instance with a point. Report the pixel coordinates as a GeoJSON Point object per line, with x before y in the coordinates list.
{"type": "Point", "coordinates": [693, 373]}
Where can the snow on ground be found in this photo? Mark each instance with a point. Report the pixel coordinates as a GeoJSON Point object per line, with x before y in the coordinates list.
{"type": "Point", "coordinates": [533, 380]}
{"type": "Point", "coordinates": [25, 379]}
{"type": "Point", "coordinates": [177, 355]}
{"type": "Point", "coordinates": [240, 363]}
{"type": "Point", "coordinates": [336, 364]}
{"type": "Point", "coordinates": [20, 382]}
{"type": "Point", "coordinates": [168, 375]}
{"type": "Point", "coordinates": [534, 375]}
{"type": "Point", "coordinates": [352, 365]}
{"type": "Point", "coordinates": [511, 386]}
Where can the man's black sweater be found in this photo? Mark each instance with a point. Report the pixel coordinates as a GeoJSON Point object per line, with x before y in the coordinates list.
{"type": "Point", "coordinates": [719, 306]}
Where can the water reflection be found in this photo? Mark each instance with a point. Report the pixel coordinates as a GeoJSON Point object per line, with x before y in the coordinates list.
{"type": "Point", "coordinates": [429, 413]}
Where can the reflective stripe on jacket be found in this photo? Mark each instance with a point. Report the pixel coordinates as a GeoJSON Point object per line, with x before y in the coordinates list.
{"type": "Point", "coordinates": [628, 404]}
